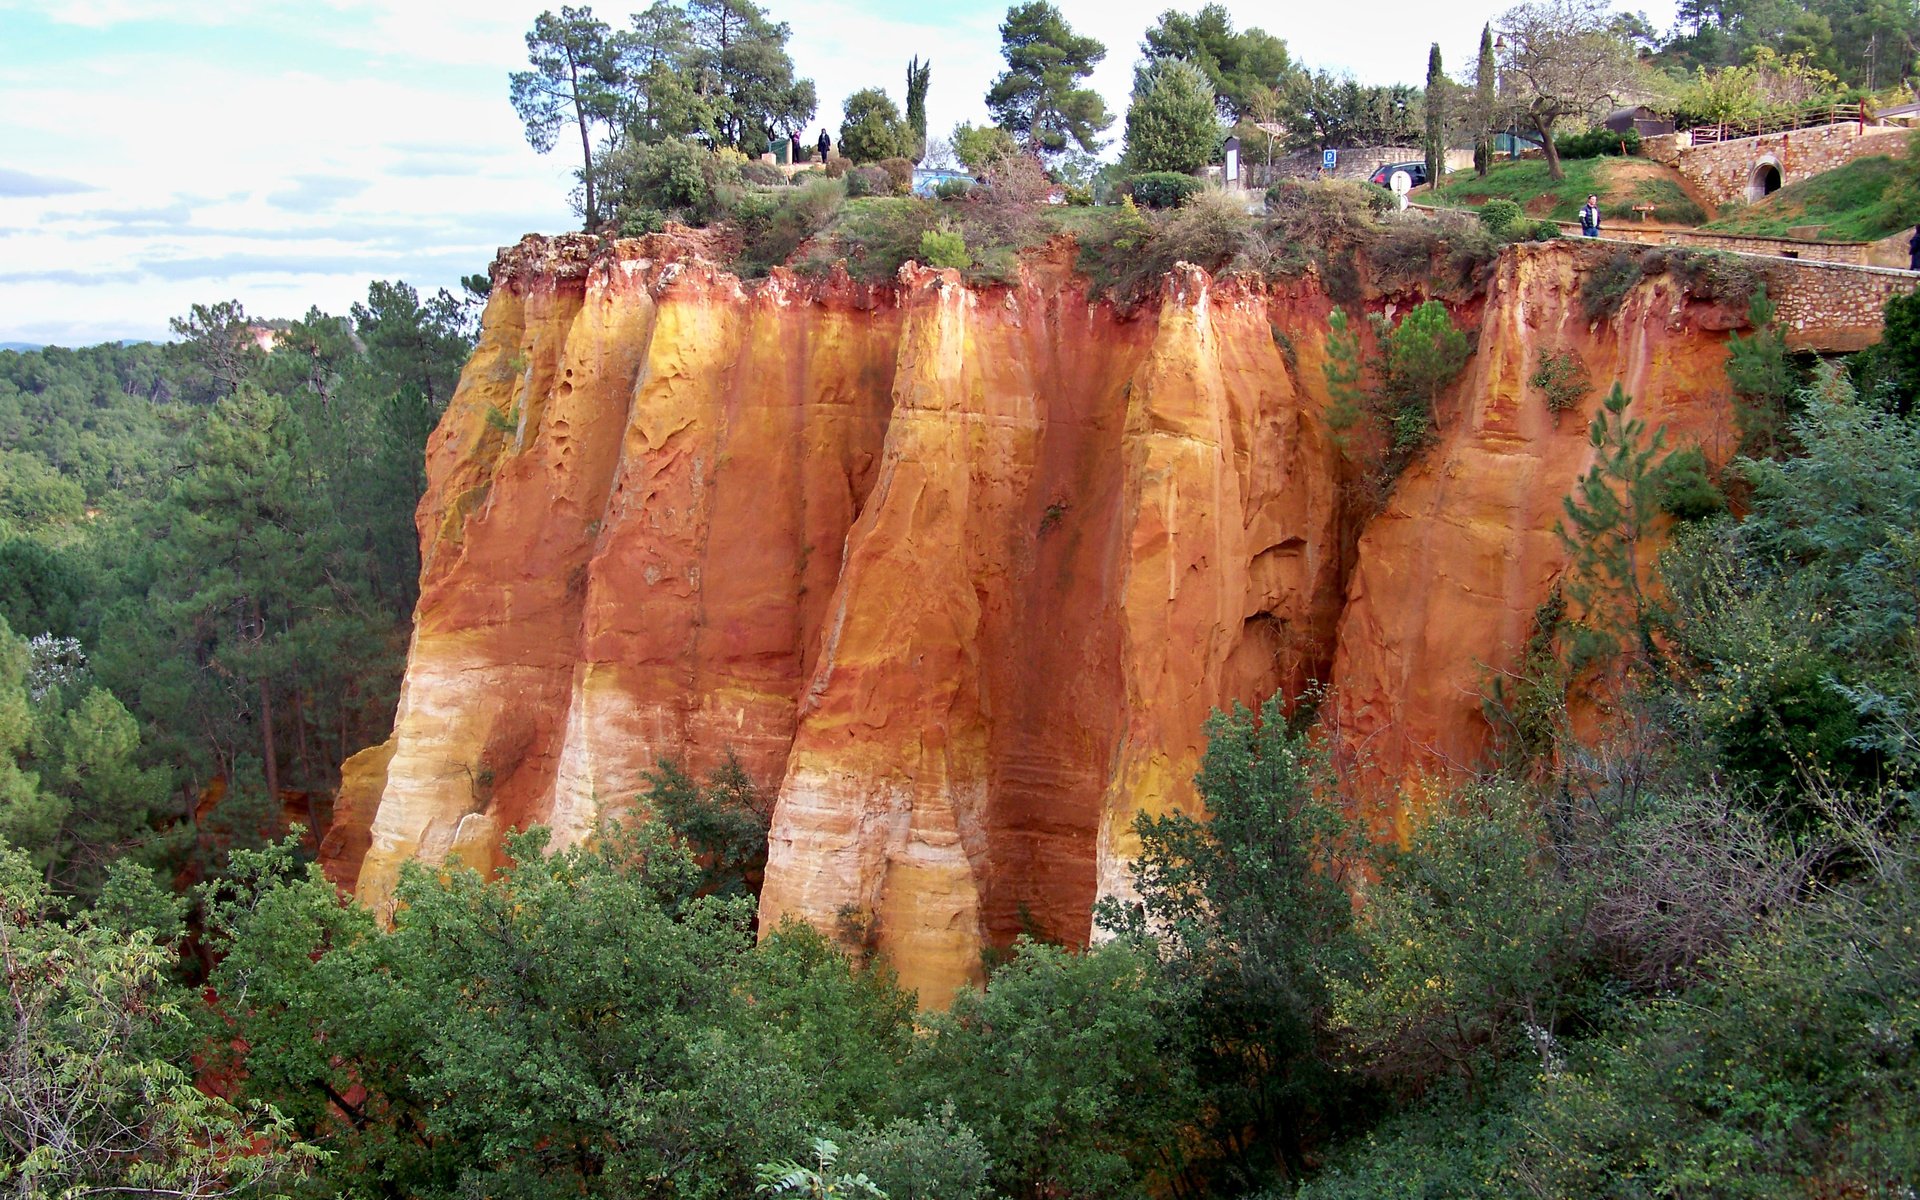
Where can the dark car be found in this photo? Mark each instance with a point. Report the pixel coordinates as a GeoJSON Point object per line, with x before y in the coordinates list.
{"type": "Point", "coordinates": [1416, 171]}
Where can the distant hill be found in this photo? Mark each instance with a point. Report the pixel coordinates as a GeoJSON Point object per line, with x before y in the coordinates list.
{"type": "Point", "coordinates": [25, 346]}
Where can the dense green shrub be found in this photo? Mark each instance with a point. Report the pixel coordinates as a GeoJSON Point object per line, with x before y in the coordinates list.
{"type": "Point", "coordinates": [1604, 288]}
{"type": "Point", "coordinates": [762, 174]}
{"type": "Point", "coordinates": [1162, 189]}
{"type": "Point", "coordinates": [638, 222]}
{"type": "Point", "coordinates": [1212, 231]}
{"type": "Point", "coordinates": [774, 227]}
{"type": "Point", "coordinates": [1596, 142]}
{"type": "Point", "coordinates": [899, 175]}
{"type": "Point", "coordinates": [1716, 277]}
{"type": "Point", "coordinates": [673, 177]}
{"type": "Point", "coordinates": [1500, 216]}
{"type": "Point", "coordinates": [869, 181]}
{"type": "Point", "coordinates": [1562, 378]}
{"type": "Point", "coordinates": [1545, 231]}
{"type": "Point", "coordinates": [875, 235]}
{"type": "Point", "coordinates": [952, 189]}
{"type": "Point", "coordinates": [1380, 201]}
{"type": "Point", "coordinates": [945, 248]}
{"type": "Point", "coordinates": [1686, 486]}
{"type": "Point", "coordinates": [1066, 1068]}
{"type": "Point", "coordinates": [1405, 254]}
{"type": "Point", "coordinates": [937, 1157]}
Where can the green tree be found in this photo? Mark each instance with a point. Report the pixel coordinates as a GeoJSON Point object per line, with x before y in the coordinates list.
{"type": "Point", "coordinates": [1471, 942]}
{"type": "Point", "coordinates": [99, 1097]}
{"type": "Point", "coordinates": [659, 80]}
{"type": "Point", "coordinates": [571, 83]}
{"type": "Point", "coordinates": [581, 1023]}
{"type": "Point", "coordinates": [414, 344]}
{"type": "Point", "coordinates": [752, 90]}
{"type": "Point", "coordinates": [1564, 61]}
{"type": "Point", "coordinates": [218, 343]}
{"type": "Point", "coordinates": [1390, 397]}
{"type": "Point", "coordinates": [1252, 912]}
{"type": "Point", "coordinates": [1435, 141]}
{"type": "Point", "coordinates": [1610, 517]}
{"type": "Point", "coordinates": [723, 822]}
{"type": "Point", "coordinates": [1039, 98]}
{"type": "Point", "coordinates": [1486, 79]}
{"type": "Point", "coordinates": [41, 588]}
{"type": "Point", "coordinates": [1245, 67]}
{"type": "Point", "coordinates": [873, 129]}
{"type": "Point", "coordinates": [1764, 381]}
{"type": "Point", "coordinates": [919, 75]}
{"type": "Point", "coordinates": [1325, 111]}
{"type": "Point", "coordinates": [1423, 353]}
{"type": "Point", "coordinates": [1171, 124]}
{"type": "Point", "coordinates": [984, 147]}
{"type": "Point", "coordinates": [1064, 1067]}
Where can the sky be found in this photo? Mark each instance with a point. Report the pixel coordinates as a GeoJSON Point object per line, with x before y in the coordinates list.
{"type": "Point", "coordinates": [161, 153]}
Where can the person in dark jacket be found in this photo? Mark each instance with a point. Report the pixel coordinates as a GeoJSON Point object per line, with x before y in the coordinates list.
{"type": "Point", "coordinates": [1590, 218]}
{"type": "Point", "coordinates": [1913, 250]}
{"type": "Point", "coordinates": [826, 145]}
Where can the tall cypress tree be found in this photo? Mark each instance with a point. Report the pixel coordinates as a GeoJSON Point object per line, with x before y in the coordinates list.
{"type": "Point", "coordinates": [1436, 117]}
{"type": "Point", "coordinates": [1483, 103]}
{"type": "Point", "coordinates": [917, 77]}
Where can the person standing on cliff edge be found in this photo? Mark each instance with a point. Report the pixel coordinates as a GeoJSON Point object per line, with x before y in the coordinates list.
{"type": "Point", "coordinates": [1913, 250]}
{"type": "Point", "coordinates": [1590, 218]}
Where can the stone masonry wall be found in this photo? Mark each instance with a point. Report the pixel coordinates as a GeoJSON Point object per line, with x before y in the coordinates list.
{"type": "Point", "coordinates": [1828, 307]}
{"type": "Point", "coordinates": [1825, 306]}
{"type": "Point", "coordinates": [1887, 252]}
{"type": "Point", "coordinates": [1724, 170]}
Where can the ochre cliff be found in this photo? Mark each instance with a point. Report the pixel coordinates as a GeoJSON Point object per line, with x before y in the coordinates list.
{"type": "Point", "coordinates": [957, 572]}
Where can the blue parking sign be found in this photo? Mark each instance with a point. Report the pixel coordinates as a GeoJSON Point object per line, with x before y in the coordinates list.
{"type": "Point", "coordinates": [1328, 158]}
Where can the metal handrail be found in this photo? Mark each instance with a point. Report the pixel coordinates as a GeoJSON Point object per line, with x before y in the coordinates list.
{"type": "Point", "coordinates": [1780, 122]}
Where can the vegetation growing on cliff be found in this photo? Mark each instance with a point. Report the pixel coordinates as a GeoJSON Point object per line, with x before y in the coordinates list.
{"type": "Point", "coordinates": [207, 586]}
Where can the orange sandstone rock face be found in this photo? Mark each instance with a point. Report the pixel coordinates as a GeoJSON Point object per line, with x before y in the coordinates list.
{"type": "Point", "coordinates": [1448, 577]}
{"type": "Point", "coordinates": [957, 572]}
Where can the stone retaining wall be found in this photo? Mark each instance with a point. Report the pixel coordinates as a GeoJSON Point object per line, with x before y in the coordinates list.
{"type": "Point", "coordinates": [1824, 306]}
{"type": "Point", "coordinates": [1890, 252]}
{"type": "Point", "coordinates": [1725, 171]}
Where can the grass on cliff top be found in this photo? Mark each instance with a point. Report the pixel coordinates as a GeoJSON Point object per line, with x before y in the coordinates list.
{"type": "Point", "coordinates": [1868, 199]}
{"type": "Point", "coordinates": [1620, 183]}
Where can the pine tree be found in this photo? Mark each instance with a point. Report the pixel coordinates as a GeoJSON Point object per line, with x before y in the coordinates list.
{"type": "Point", "coordinates": [1609, 517]}
{"type": "Point", "coordinates": [1040, 97]}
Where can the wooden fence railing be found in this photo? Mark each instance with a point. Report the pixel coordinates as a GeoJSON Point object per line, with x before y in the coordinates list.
{"type": "Point", "coordinates": [1781, 122]}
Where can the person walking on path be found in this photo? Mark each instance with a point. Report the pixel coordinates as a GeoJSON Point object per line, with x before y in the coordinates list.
{"type": "Point", "coordinates": [1913, 250]}
{"type": "Point", "coordinates": [1590, 218]}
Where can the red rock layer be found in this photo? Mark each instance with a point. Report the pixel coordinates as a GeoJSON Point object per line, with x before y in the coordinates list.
{"type": "Point", "coordinates": [957, 572]}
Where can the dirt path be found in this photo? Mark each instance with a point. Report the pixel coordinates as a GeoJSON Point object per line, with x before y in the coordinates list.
{"type": "Point", "coordinates": [1625, 172]}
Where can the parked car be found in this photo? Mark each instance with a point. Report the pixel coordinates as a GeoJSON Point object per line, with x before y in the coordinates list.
{"type": "Point", "coordinates": [1416, 171]}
